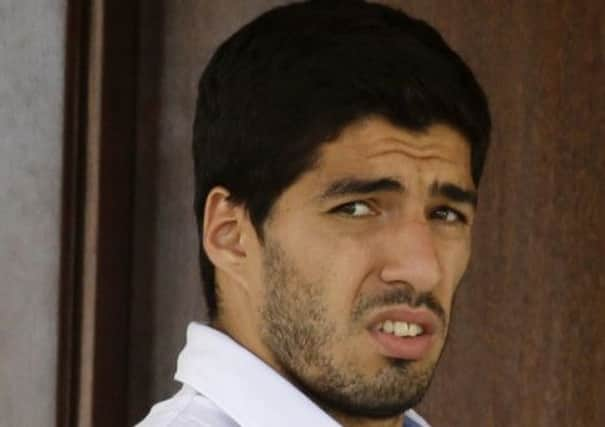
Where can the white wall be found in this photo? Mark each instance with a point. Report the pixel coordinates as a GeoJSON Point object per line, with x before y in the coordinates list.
{"type": "Point", "coordinates": [32, 36]}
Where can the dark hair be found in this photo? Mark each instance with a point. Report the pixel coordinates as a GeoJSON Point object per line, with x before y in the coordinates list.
{"type": "Point", "coordinates": [293, 78]}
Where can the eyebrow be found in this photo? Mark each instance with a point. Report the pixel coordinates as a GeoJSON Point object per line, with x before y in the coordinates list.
{"type": "Point", "coordinates": [349, 186]}
{"type": "Point", "coordinates": [454, 193]}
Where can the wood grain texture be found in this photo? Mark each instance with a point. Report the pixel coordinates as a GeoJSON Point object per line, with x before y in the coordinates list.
{"type": "Point", "coordinates": [116, 162]}
{"type": "Point", "coordinates": [97, 213]}
{"type": "Point", "coordinates": [526, 347]}
{"type": "Point", "coordinates": [73, 207]}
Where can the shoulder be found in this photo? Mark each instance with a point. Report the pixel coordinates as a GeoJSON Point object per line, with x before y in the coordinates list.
{"type": "Point", "coordinates": [187, 409]}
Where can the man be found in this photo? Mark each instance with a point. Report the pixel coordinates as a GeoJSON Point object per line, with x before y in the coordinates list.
{"type": "Point", "coordinates": [338, 146]}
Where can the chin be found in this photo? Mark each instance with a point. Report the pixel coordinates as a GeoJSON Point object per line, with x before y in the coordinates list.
{"type": "Point", "coordinates": [397, 387]}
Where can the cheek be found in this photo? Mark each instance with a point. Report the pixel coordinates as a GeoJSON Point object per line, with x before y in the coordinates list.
{"type": "Point", "coordinates": [454, 262]}
{"type": "Point", "coordinates": [337, 265]}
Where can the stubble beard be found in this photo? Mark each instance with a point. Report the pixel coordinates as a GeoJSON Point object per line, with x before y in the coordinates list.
{"type": "Point", "coordinates": [300, 335]}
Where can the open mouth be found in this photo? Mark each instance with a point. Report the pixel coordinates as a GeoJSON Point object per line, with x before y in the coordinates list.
{"type": "Point", "coordinates": [404, 333]}
{"type": "Point", "coordinates": [400, 329]}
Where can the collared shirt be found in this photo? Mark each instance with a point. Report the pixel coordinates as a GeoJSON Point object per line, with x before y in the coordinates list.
{"type": "Point", "coordinates": [225, 385]}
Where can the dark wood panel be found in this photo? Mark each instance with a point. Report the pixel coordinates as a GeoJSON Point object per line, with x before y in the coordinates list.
{"type": "Point", "coordinates": [73, 206]}
{"type": "Point", "coordinates": [117, 143]}
{"type": "Point", "coordinates": [147, 247]}
{"type": "Point", "coordinates": [97, 228]}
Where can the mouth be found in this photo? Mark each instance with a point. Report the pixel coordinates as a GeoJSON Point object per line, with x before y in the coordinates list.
{"type": "Point", "coordinates": [405, 333]}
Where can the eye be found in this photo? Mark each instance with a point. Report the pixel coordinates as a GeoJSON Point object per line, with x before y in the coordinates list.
{"type": "Point", "coordinates": [449, 215]}
{"type": "Point", "coordinates": [354, 209]}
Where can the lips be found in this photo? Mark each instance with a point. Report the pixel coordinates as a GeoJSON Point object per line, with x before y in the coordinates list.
{"type": "Point", "coordinates": [408, 348]}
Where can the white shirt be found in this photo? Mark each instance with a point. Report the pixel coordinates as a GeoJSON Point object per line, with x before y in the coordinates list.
{"type": "Point", "coordinates": [225, 385]}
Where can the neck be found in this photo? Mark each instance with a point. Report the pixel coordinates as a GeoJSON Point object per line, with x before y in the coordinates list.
{"type": "Point", "coordinates": [245, 334]}
{"type": "Point", "coordinates": [349, 421]}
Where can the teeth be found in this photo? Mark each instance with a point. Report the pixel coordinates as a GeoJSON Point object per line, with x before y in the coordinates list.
{"type": "Point", "coordinates": [415, 329]}
{"type": "Point", "coordinates": [388, 327]}
{"type": "Point", "coordinates": [401, 329]}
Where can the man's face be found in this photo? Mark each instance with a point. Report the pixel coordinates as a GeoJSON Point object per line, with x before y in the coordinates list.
{"type": "Point", "coordinates": [360, 262]}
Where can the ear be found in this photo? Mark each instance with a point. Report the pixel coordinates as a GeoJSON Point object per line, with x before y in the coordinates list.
{"type": "Point", "coordinates": [223, 233]}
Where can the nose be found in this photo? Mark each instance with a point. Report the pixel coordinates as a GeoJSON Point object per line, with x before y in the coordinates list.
{"type": "Point", "coordinates": [412, 257]}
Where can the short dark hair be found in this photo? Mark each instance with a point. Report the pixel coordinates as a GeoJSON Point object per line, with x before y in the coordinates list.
{"type": "Point", "coordinates": [293, 78]}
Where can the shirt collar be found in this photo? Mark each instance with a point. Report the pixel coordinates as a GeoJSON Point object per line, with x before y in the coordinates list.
{"type": "Point", "coordinates": [242, 385]}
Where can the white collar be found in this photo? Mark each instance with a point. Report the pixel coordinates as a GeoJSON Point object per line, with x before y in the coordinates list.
{"type": "Point", "coordinates": [244, 386]}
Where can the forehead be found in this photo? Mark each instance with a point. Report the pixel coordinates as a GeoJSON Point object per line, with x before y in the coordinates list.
{"type": "Point", "coordinates": [374, 146]}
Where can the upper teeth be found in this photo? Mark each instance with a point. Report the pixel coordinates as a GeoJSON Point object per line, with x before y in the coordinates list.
{"type": "Point", "coordinates": [401, 329]}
